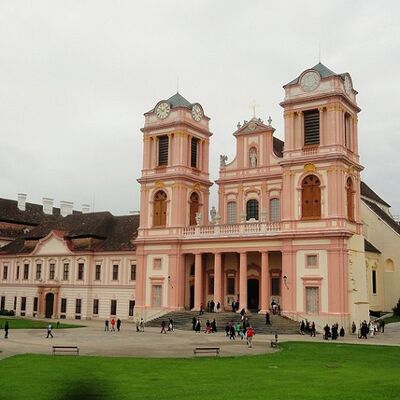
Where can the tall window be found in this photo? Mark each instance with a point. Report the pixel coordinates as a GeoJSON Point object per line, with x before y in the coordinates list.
{"type": "Point", "coordinates": [52, 271]}
{"type": "Point", "coordinates": [113, 307]}
{"type": "Point", "coordinates": [274, 210]}
{"type": "Point", "coordinates": [35, 304]}
{"type": "Point", "coordinates": [160, 209]}
{"type": "Point", "coordinates": [312, 300]}
{"type": "Point", "coordinates": [98, 272]}
{"type": "Point", "coordinates": [276, 286]}
{"type": "Point", "coordinates": [230, 285]}
{"type": "Point", "coordinates": [95, 306]}
{"type": "Point", "coordinates": [66, 272]}
{"type": "Point", "coordinates": [26, 271]}
{"type": "Point", "coordinates": [38, 271]}
{"type": "Point", "coordinates": [311, 127]}
{"type": "Point", "coordinates": [78, 306]}
{"type": "Point", "coordinates": [311, 197]}
{"type": "Point", "coordinates": [347, 135]}
{"type": "Point", "coordinates": [63, 308]}
{"type": "Point", "coordinates": [194, 145]}
{"type": "Point", "coordinates": [374, 281]}
{"type": "Point", "coordinates": [194, 208]}
{"type": "Point", "coordinates": [81, 268]}
{"type": "Point", "coordinates": [5, 272]}
{"type": "Point", "coordinates": [163, 150]}
{"type": "Point", "coordinates": [133, 272]}
{"type": "Point", "coordinates": [15, 303]}
{"type": "Point", "coordinates": [115, 273]}
{"type": "Point", "coordinates": [252, 209]}
{"type": "Point", "coordinates": [23, 303]}
{"type": "Point", "coordinates": [231, 212]}
{"type": "Point", "coordinates": [17, 273]}
{"type": "Point", "coordinates": [350, 199]}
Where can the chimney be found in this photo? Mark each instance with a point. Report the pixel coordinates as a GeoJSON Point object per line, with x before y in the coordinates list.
{"type": "Point", "coordinates": [21, 201]}
{"type": "Point", "coordinates": [85, 208]}
{"type": "Point", "coordinates": [66, 208]}
{"type": "Point", "coordinates": [48, 206]}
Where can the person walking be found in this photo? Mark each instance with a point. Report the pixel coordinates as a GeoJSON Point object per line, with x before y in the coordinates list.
{"type": "Point", "coordinates": [6, 327]}
{"type": "Point", "coordinates": [119, 324]}
{"type": "Point", "coordinates": [49, 329]}
{"type": "Point", "coordinates": [113, 324]}
{"type": "Point", "coordinates": [312, 329]}
{"type": "Point", "coordinates": [137, 326]}
{"type": "Point", "coordinates": [106, 325]}
{"type": "Point", "coordinates": [170, 325]}
{"type": "Point", "coordinates": [267, 319]}
{"type": "Point", "coordinates": [250, 335]}
{"type": "Point", "coordinates": [163, 327]}
{"type": "Point", "coordinates": [213, 326]}
{"type": "Point", "coordinates": [194, 320]}
{"type": "Point", "coordinates": [198, 326]}
{"type": "Point", "coordinates": [141, 324]}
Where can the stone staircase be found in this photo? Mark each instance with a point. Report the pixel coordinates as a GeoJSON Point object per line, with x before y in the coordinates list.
{"type": "Point", "coordinates": [183, 321]}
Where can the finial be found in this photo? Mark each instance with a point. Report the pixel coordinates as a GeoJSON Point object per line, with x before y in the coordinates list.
{"type": "Point", "coordinates": [253, 105]}
{"type": "Point", "coordinates": [238, 125]}
{"type": "Point", "coordinates": [269, 120]}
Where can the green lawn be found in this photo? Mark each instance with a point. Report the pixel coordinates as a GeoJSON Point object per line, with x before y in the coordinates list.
{"type": "Point", "coordinates": [393, 318]}
{"type": "Point", "coordinates": [300, 371]}
{"type": "Point", "coordinates": [25, 323]}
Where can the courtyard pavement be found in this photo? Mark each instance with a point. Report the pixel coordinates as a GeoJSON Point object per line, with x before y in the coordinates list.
{"type": "Point", "coordinates": [94, 341]}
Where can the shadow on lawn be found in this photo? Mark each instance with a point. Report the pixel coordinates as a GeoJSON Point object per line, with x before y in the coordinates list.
{"type": "Point", "coordinates": [86, 389]}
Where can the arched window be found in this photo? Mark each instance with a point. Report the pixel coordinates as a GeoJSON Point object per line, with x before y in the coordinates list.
{"type": "Point", "coordinates": [194, 208]}
{"type": "Point", "coordinates": [231, 212]}
{"type": "Point", "coordinates": [252, 209]}
{"type": "Point", "coordinates": [311, 197]}
{"type": "Point", "coordinates": [350, 199]}
{"type": "Point", "coordinates": [253, 157]}
{"type": "Point", "coordinates": [274, 210]}
{"type": "Point", "coordinates": [160, 209]}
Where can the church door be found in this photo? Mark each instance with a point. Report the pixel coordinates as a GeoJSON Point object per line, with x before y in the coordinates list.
{"type": "Point", "coordinates": [253, 294]}
{"type": "Point", "coordinates": [49, 305]}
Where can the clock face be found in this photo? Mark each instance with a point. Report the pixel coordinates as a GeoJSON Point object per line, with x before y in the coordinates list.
{"type": "Point", "coordinates": [197, 112]}
{"type": "Point", "coordinates": [162, 110]}
{"type": "Point", "coordinates": [310, 81]}
{"type": "Point", "coordinates": [347, 85]}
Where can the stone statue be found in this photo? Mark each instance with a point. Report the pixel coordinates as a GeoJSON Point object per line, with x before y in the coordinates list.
{"type": "Point", "coordinates": [198, 218]}
{"type": "Point", "coordinates": [253, 157]}
{"type": "Point", "coordinates": [222, 160]}
{"type": "Point", "coordinates": [213, 214]}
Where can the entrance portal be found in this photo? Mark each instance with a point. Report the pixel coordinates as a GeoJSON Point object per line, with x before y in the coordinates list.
{"type": "Point", "coordinates": [49, 305]}
{"type": "Point", "coordinates": [253, 295]}
{"type": "Point", "coordinates": [191, 299]}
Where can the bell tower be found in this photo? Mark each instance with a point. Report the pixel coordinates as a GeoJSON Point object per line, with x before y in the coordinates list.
{"type": "Point", "coordinates": [321, 170]}
{"type": "Point", "coordinates": [175, 176]}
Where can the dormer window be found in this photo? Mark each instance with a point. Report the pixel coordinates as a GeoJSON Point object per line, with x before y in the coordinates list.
{"type": "Point", "coordinates": [311, 127]}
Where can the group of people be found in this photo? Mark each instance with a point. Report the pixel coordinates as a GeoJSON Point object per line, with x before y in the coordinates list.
{"type": "Point", "coordinates": [114, 323]}
{"type": "Point", "coordinates": [333, 331]}
{"type": "Point", "coordinates": [213, 307]}
{"type": "Point", "coordinates": [368, 329]}
{"type": "Point", "coordinates": [307, 328]}
{"type": "Point", "coordinates": [140, 325]}
{"type": "Point", "coordinates": [170, 326]}
{"type": "Point", "coordinates": [211, 327]}
{"type": "Point", "coordinates": [244, 330]}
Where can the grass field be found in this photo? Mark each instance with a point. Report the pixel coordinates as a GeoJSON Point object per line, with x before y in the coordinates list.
{"type": "Point", "coordinates": [25, 323]}
{"type": "Point", "coordinates": [393, 318]}
{"type": "Point", "coordinates": [300, 371]}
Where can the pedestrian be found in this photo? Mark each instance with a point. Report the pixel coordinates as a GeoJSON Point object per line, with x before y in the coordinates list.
{"type": "Point", "coordinates": [312, 329]}
{"type": "Point", "coordinates": [218, 307]}
{"type": "Point", "coordinates": [49, 329]}
{"type": "Point", "coordinates": [141, 324]}
{"type": "Point", "coordinates": [302, 327]}
{"type": "Point", "coordinates": [106, 328]}
{"type": "Point", "coordinates": [113, 324]}
{"type": "Point", "coordinates": [353, 328]}
{"type": "Point", "coordinates": [341, 333]}
{"type": "Point", "coordinates": [194, 320]}
{"type": "Point", "coordinates": [208, 327]}
{"type": "Point", "coordinates": [227, 328]}
{"type": "Point", "coordinates": [201, 312]}
{"type": "Point", "coordinates": [267, 319]}
{"type": "Point", "coordinates": [232, 332]}
{"type": "Point", "coordinates": [137, 325]}
{"type": "Point", "coordinates": [170, 325]}
{"type": "Point", "coordinates": [198, 326]}
{"type": "Point", "coordinates": [212, 306]}
{"type": "Point", "coordinates": [233, 306]}
{"type": "Point", "coordinates": [118, 324]}
{"type": "Point", "coordinates": [58, 324]}
{"type": "Point", "coordinates": [163, 327]}
{"type": "Point", "coordinates": [382, 326]}
{"type": "Point", "coordinates": [250, 335]}
{"type": "Point", "coordinates": [6, 327]}
{"type": "Point", "coordinates": [213, 326]}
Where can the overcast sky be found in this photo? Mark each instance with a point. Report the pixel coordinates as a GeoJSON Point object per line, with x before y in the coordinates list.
{"type": "Point", "coordinates": [77, 76]}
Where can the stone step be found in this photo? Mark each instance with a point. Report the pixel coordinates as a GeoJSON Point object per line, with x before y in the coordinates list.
{"type": "Point", "coordinates": [183, 321]}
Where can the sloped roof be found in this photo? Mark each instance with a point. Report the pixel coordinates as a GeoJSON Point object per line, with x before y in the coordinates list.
{"type": "Point", "coordinates": [368, 246]}
{"type": "Point", "coordinates": [177, 100]}
{"type": "Point", "coordinates": [111, 233]}
{"type": "Point", "coordinates": [383, 215]}
{"type": "Point", "coordinates": [366, 191]}
{"type": "Point", "coordinates": [320, 68]}
{"type": "Point", "coordinates": [278, 145]}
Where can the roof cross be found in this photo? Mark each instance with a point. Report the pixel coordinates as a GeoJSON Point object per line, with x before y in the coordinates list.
{"type": "Point", "coordinates": [253, 105]}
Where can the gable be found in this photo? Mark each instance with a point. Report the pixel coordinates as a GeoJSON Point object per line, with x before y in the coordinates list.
{"type": "Point", "coordinates": [51, 245]}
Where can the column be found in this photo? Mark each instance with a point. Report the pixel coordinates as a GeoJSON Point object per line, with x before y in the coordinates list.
{"type": "Point", "coordinates": [218, 279]}
{"type": "Point", "coordinates": [243, 280]}
{"type": "Point", "coordinates": [265, 283]}
{"type": "Point", "coordinates": [198, 281]}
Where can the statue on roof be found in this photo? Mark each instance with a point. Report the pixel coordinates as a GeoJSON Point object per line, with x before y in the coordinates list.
{"type": "Point", "coordinates": [222, 160]}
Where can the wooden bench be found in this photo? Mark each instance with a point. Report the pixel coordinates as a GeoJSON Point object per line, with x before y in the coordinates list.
{"type": "Point", "coordinates": [205, 350]}
{"type": "Point", "coordinates": [66, 349]}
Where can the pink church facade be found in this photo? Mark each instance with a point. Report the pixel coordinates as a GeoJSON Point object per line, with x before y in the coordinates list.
{"type": "Point", "coordinates": [288, 225]}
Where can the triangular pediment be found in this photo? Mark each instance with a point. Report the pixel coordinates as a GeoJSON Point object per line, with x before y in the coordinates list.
{"type": "Point", "coordinates": [52, 244]}
{"type": "Point", "coordinates": [255, 125]}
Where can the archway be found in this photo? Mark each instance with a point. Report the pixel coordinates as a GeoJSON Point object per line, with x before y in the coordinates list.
{"type": "Point", "coordinates": [49, 305]}
{"type": "Point", "coordinates": [253, 294]}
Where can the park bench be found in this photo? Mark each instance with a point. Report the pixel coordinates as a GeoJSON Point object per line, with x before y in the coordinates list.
{"type": "Point", "coordinates": [66, 349]}
{"type": "Point", "coordinates": [205, 350]}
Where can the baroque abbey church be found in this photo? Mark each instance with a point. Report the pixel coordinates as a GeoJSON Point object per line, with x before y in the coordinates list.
{"type": "Point", "coordinates": [294, 223]}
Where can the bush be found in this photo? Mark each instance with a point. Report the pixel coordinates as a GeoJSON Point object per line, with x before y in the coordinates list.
{"type": "Point", "coordinates": [396, 309]}
{"type": "Point", "coordinates": [8, 313]}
